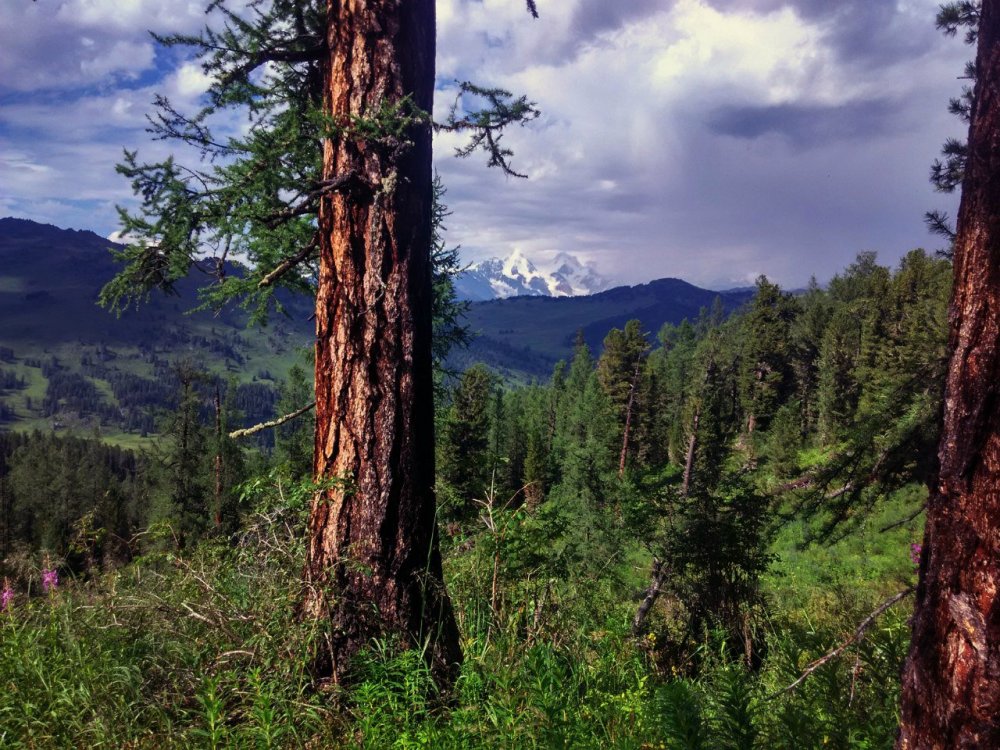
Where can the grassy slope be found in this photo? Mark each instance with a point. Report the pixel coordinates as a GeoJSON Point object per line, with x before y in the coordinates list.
{"type": "Point", "coordinates": [204, 651]}
{"type": "Point", "coordinates": [49, 282]}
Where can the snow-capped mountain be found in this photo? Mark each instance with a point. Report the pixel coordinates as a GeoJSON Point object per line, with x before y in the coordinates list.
{"type": "Point", "coordinates": [562, 276]}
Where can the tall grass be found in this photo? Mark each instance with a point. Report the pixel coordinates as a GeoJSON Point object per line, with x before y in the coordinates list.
{"type": "Point", "coordinates": [204, 651]}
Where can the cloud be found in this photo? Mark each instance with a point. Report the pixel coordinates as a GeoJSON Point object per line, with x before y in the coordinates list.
{"type": "Point", "coordinates": [707, 140]}
{"type": "Point", "coordinates": [808, 125]}
{"type": "Point", "coordinates": [72, 43]}
{"type": "Point", "coordinates": [704, 139]}
{"type": "Point", "coordinates": [867, 32]}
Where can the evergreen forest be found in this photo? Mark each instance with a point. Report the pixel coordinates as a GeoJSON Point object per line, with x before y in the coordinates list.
{"type": "Point", "coordinates": [650, 546]}
{"type": "Point", "coordinates": [655, 517]}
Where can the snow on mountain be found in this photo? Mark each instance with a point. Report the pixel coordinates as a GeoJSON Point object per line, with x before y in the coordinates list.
{"type": "Point", "coordinates": [516, 275]}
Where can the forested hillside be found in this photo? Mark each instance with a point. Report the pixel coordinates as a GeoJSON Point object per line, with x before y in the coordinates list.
{"type": "Point", "coordinates": [67, 364]}
{"type": "Point", "coordinates": [524, 337]}
{"type": "Point", "coordinates": [267, 481]}
{"type": "Point", "coordinates": [620, 538]}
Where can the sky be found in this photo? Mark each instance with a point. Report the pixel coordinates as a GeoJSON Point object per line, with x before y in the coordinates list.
{"type": "Point", "coordinates": [709, 140]}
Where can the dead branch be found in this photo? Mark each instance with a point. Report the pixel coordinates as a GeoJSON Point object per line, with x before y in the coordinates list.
{"type": "Point", "coordinates": [857, 636]}
{"type": "Point", "coordinates": [247, 432]}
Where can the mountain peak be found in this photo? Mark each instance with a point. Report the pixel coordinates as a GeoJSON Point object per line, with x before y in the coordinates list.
{"type": "Point", "coordinates": [564, 275]}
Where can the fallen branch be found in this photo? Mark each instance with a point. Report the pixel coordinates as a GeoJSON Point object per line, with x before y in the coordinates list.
{"type": "Point", "coordinates": [803, 482]}
{"type": "Point", "coordinates": [857, 636]}
{"type": "Point", "coordinates": [273, 423]}
{"type": "Point", "coordinates": [657, 579]}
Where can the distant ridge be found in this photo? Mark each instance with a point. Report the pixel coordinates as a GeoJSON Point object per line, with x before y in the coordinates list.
{"type": "Point", "coordinates": [526, 336]}
{"type": "Point", "coordinates": [50, 279]}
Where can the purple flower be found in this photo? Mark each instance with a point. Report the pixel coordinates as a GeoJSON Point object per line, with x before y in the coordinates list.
{"type": "Point", "coordinates": [50, 580]}
{"type": "Point", "coordinates": [6, 596]}
{"type": "Point", "coordinates": [915, 551]}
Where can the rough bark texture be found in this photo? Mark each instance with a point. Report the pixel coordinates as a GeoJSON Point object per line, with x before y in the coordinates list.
{"type": "Point", "coordinates": [951, 681]}
{"type": "Point", "coordinates": [373, 562]}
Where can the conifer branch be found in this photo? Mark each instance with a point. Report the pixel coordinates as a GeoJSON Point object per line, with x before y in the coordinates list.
{"type": "Point", "coordinates": [486, 125]}
{"type": "Point", "coordinates": [276, 54]}
{"type": "Point", "coordinates": [288, 264]}
{"type": "Point", "coordinates": [308, 204]}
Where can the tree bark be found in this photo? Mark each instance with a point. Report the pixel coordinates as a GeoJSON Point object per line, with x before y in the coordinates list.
{"type": "Point", "coordinates": [656, 579]}
{"type": "Point", "coordinates": [374, 566]}
{"type": "Point", "coordinates": [951, 681]}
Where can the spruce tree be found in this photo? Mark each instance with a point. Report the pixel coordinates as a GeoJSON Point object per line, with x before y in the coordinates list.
{"type": "Point", "coordinates": [766, 376]}
{"type": "Point", "coordinates": [293, 441]}
{"type": "Point", "coordinates": [466, 443]}
{"type": "Point", "coordinates": [620, 371]}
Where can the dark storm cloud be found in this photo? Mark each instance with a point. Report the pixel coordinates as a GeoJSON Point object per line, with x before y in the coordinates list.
{"type": "Point", "coordinates": [806, 125]}
{"type": "Point", "coordinates": [592, 17]}
{"type": "Point", "coordinates": [867, 32]}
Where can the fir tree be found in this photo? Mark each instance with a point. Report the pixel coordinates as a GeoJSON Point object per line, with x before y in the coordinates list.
{"type": "Point", "coordinates": [466, 444]}
{"type": "Point", "coordinates": [293, 441]}
{"type": "Point", "coordinates": [766, 374]}
{"type": "Point", "coordinates": [620, 370]}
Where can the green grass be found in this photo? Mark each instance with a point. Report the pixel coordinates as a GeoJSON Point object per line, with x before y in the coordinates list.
{"type": "Point", "coordinates": [867, 559]}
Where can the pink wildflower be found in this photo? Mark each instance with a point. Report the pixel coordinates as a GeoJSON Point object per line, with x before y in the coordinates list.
{"type": "Point", "coordinates": [915, 552]}
{"type": "Point", "coordinates": [50, 580]}
{"type": "Point", "coordinates": [6, 596]}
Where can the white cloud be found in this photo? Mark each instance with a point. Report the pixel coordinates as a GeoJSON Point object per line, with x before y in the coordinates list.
{"type": "Point", "coordinates": [634, 105]}
{"type": "Point", "coordinates": [70, 43]}
{"type": "Point", "coordinates": [706, 139]}
{"type": "Point", "coordinates": [190, 81]}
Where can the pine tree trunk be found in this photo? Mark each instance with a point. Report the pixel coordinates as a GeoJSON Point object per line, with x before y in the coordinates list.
{"type": "Point", "coordinates": [951, 681]}
{"type": "Point", "coordinates": [373, 562]}
{"type": "Point", "coordinates": [218, 465]}
{"type": "Point", "coordinates": [689, 457]}
{"type": "Point", "coordinates": [623, 457]}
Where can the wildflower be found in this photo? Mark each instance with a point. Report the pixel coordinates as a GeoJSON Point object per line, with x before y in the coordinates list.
{"type": "Point", "coordinates": [6, 596]}
{"type": "Point", "coordinates": [50, 580]}
{"type": "Point", "coordinates": [915, 552]}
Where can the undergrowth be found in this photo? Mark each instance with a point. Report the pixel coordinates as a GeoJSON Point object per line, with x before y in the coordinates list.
{"type": "Point", "coordinates": [203, 650]}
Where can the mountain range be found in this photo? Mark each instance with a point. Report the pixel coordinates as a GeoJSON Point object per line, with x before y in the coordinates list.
{"type": "Point", "coordinates": [524, 337]}
{"type": "Point", "coordinates": [564, 275]}
{"type": "Point", "coordinates": [67, 363]}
